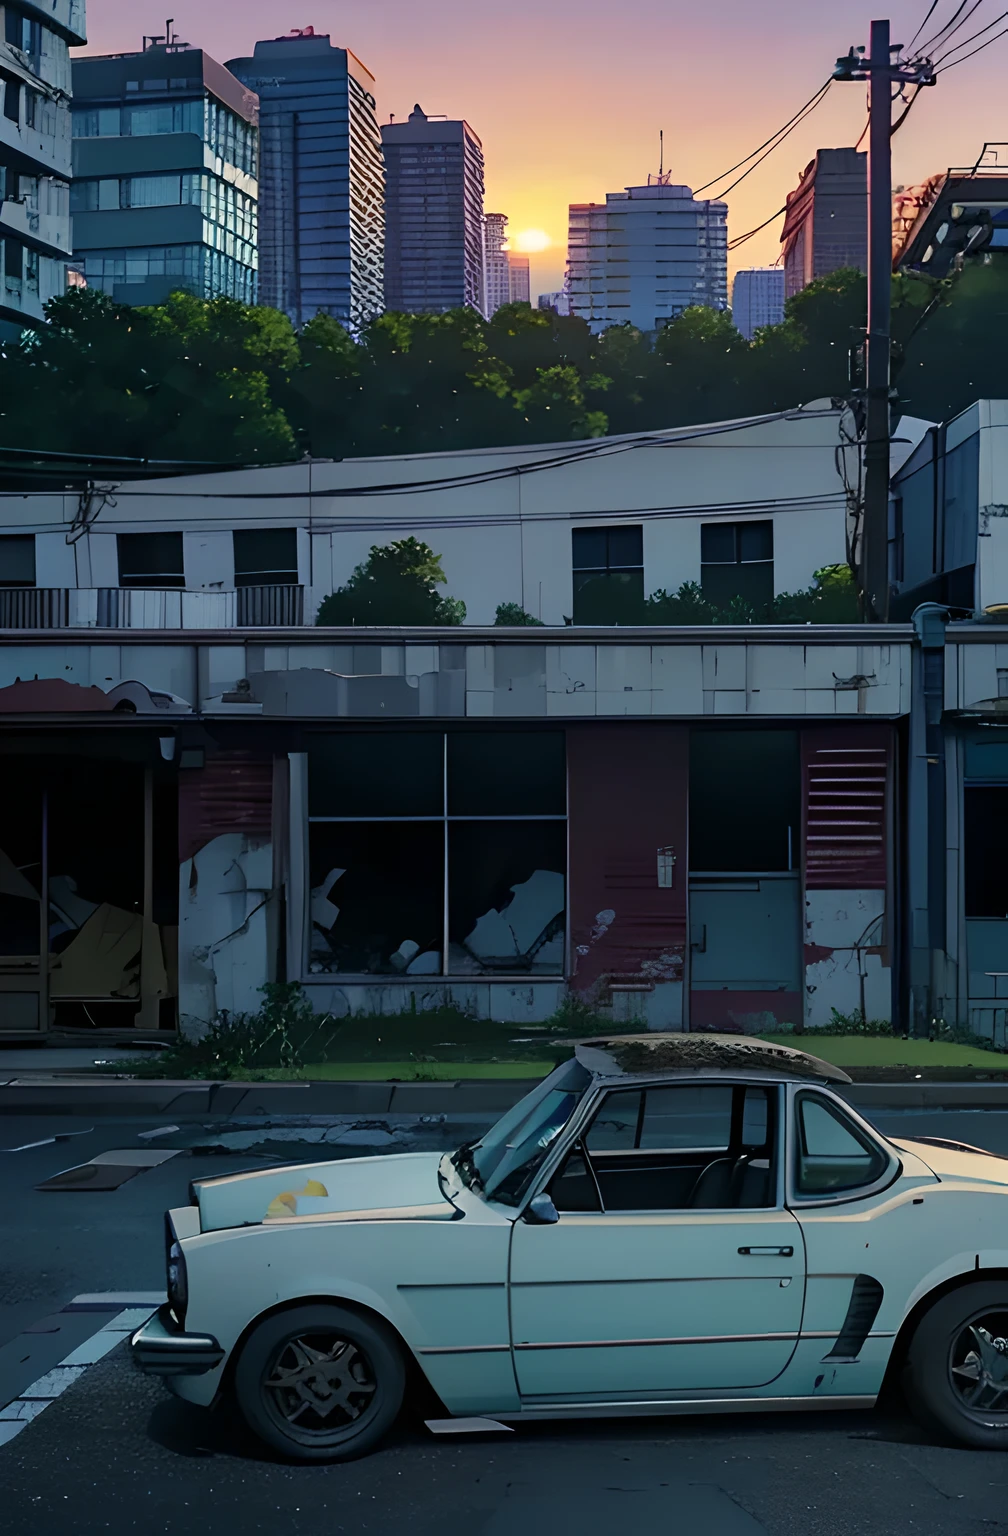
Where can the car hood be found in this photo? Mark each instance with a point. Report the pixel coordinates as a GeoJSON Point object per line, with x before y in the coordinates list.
{"type": "Point", "coordinates": [400, 1187]}
{"type": "Point", "coordinates": [951, 1160]}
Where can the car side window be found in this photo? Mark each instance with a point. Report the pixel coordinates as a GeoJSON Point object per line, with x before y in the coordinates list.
{"type": "Point", "coordinates": [679, 1146]}
{"type": "Point", "coordinates": [832, 1154]}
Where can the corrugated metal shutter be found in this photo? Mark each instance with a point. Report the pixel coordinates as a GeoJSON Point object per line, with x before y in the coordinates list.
{"type": "Point", "coordinates": [845, 775]}
{"type": "Point", "coordinates": [232, 793]}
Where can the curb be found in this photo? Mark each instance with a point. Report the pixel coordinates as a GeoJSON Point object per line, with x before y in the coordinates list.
{"type": "Point", "coordinates": [228, 1099]}
{"type": "Point", "coordinates": [224, 1100]}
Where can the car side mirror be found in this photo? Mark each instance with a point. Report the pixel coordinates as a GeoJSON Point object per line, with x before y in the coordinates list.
{"type": "Point", "coordinates": [540, 1211]}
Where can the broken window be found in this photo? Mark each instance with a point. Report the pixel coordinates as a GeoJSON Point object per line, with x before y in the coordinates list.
{"type": "Point", "coordinates": [17, 560]}
{"type": "Point", "coordinates": [265, 557]}
{"type": "Point", "coordinates": [150, 560]}
{"type": "Point", "coordinates": [736, 561]}
{"type": "Point", "coordinates": [438, 855]}
{"type": "Point", "coordinates": [985, 840]}
{"type": "Point", "coordinates": [744, 801]}
{"type": "Point", "coordinates": [608, 567]}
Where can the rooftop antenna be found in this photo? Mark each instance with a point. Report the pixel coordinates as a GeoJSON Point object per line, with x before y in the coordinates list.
{"type": "Point", "coordinates": [661, 152]}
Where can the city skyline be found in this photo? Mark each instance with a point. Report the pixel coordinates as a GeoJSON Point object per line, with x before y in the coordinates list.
{"type": "Point", "coordinates": [564, 118]}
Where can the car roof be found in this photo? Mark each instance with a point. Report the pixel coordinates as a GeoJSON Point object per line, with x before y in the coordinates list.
{"type": "Point", "coordinates": [684, 1056]}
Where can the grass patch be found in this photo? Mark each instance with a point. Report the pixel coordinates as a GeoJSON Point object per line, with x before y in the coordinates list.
{"type": "Point", "coordinates": [891, 1051]}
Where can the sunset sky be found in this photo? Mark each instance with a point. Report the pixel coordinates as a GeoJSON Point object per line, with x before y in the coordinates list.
{"type": "Point", "coordinates": [568, 96]}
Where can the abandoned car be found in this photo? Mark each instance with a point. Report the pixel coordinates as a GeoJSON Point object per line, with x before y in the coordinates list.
{"type": "Point", "coordinates": [665, 1224]}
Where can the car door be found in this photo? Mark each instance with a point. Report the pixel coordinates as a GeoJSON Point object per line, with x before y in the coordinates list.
{"type": "Point", "coordinates": [656, 1278]}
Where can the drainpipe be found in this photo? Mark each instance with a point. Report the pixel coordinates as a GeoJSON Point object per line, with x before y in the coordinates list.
{"type": "Point", "coordinates": [926, 818]}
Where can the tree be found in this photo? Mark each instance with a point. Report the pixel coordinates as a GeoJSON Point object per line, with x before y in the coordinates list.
{"type": "Point", "coordinates": [396, 584]}
{"type": "Point", "coordinates": [514, 616]}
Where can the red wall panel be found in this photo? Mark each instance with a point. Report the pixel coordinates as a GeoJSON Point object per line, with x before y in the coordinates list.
{"type": "Point", "coordinates": [232, 793]}
{"type": "Point", "coordinates": [627, 798]}
{"type": "Point", "coordinates": [844, 788]}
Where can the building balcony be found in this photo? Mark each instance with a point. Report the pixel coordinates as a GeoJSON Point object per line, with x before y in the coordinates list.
{"type": "Point", "coordinates": [149, 608]}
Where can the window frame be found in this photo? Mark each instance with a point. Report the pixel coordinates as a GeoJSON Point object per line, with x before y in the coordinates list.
{"type": "Point", "coordinates": [445, 818]}
{"type": "Point", "coordinates": [160, 581]}
{"type": "Point", "coordinates": [610, 569]}
{"type": "Point", "coordinates": [836, 1105]}
{"type": "Point", "coordinates": [738, 563]}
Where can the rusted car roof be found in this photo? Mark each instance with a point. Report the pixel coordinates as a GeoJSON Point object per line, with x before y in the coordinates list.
{"type": "Point", "coordinates": [639, 1055]}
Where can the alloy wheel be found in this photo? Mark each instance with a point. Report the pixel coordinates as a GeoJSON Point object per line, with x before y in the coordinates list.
{"type": "Point", "coordinates": [317, 1384]}
{"type": "Point", "coordinates": [978, 1368]}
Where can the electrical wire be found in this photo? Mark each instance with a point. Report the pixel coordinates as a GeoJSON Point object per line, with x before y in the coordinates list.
{"type": "Point", "coordinates": [807, 111]}
{"type": "Point", "coordinates": [930, 12]}
{"type": "Point", "coordinates": [741, 239]}
{"type": "Point", "coordinates": [898, 124]}
{"type": "Point", "coordinates": [956, 62]}
{"type": "Point", "coordinates": [972, 39]}
{"type": "Point", "coordinates": [791, 120]}
{"type": "Point", "coordinates": [943, 34]}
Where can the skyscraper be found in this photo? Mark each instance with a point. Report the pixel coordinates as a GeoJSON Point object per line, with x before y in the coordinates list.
{"type": "Point", "coordinates": [518, 278]}
{"type": "Point", "coordinates": [826, 219]}
{"type": "Point", "coordinates": [321, 213]}
{"type": "Point", "coordinates": [757, 299]}
{"type": "Point", "coordinates": [497, 275]}
{"type": "Point", "coordinates": [433, 215]}
{"type": "Point", "coordinates": [148, 214]}
{"type": "Point", "coordinates": [645, 255]}
{"type": "Point", "coordinates": [35, 157]}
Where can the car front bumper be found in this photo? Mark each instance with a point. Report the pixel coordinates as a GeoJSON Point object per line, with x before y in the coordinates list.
{"type": "Point", "coordinates": [161, 1348]}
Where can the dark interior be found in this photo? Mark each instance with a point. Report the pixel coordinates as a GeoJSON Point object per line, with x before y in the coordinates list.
{"type": "Point", "coordinates": [675, 1147]}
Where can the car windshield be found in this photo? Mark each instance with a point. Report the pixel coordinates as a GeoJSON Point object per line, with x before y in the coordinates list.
{"type": "Point", "coordinates": [503, 1163]}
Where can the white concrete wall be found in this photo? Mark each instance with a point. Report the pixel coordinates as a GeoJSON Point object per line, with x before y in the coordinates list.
{"type": "Point", "coordinates": [501, 519]}
{"type": "Point", "coordinates": [847, 924]}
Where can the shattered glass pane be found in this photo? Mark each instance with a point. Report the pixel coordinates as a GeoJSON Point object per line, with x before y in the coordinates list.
{"type": "Point", "coordinates": [377, 897]}
{"type": "Point", "coordinates": [375, 773]}
{"type": "Point", "coordinates": [506, 773]}
{"type": "Point", "coordinates": [506, 897]}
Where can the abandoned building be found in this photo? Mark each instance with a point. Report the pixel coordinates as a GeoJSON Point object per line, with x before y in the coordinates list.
{"type": "Point", "coordinates": [730, 826]}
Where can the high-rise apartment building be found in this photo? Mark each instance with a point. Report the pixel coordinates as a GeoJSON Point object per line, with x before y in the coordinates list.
{"type": "Point", "coordinates": [433, 215]}
{"type": "Point", "coordinates": [826, 219]}
{"type": "Point", "coordinates": [519, 291]}
{"type": "Point", "coordinates": [557, 299]}
{"type": "Point", "coordinates": [165, 152]}
{"type": "Point", "coordinates": [496, 273]}
{"type": "Point", "coordinates": [757, 299]}
{"type": "Point", "coordinates": [35, 162]}
{"type": "Point", "coordinates": [645, 255]}
{"type": "Point", "coordinates": [321, 210]}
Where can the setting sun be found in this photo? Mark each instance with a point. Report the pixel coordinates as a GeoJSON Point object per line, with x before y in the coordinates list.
{"type": "Point", "coordinates": [531, 240]}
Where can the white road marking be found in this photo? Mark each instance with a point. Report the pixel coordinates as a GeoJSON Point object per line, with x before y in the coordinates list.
{"type": "Point", "coordinates": [162, 1130]}
{"type": "Point", "coordinates": [467, 1427]}
{"type": "Point", "coordinates": [137, 1157]}
{"type": "Point", "coordinates": [54, 1383]}
{"type": "Point", "coordinates": [149, 1299]}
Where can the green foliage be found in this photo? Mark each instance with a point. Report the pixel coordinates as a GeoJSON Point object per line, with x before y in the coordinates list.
{"type": "Point", "coordinates": [396, 584]}
{"type": "Point", "coordinates": [831, 599]}
{"type": "Point", "coordinates": [217, 381]}
{"type": "Point", "coordinates": [513, 615]}
{"type": "Point", "coordinates": [285, 1032]}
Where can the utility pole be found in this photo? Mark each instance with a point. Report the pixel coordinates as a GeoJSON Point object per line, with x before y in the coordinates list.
{"type": "Point", "coordinates": [881, 72]}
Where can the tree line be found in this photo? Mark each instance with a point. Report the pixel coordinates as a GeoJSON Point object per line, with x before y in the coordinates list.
{"type": "Point", "coordinates": [217, 381]}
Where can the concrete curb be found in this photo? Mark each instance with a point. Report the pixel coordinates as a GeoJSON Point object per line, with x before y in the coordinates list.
{"type": "Point", "coordinates": [226, 1100]}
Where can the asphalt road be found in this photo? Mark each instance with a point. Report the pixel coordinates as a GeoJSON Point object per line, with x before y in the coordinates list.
{"type": "Point", "coordinates": [116, 1454]}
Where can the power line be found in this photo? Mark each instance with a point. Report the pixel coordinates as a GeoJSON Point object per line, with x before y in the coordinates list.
{"type": "Point", "coordinates": [956, 62]}
{"type": "Point", "coordinates": [806, 112]}
{"type": "Point", "coordinates": [930, 12]}
{"type": "Point", "coordinates": [940, 36]}
{"type": "Point", "coordinates": [741, 239]}
{"type": "Point", "coordinates": [791, 120]}
{"type": "Point", "coordinates": [967, 40]}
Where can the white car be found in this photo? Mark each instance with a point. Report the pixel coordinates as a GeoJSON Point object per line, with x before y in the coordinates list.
{"type": "Point", "coordinates": [681, 1224]}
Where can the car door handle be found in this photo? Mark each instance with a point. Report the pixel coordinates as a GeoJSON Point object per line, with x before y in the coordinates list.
{"type": "Point", "coordinates": [768, 1253]}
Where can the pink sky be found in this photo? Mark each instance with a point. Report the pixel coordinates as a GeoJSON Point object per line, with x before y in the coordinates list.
{"type": "Point", "coordinates": [568, 95]}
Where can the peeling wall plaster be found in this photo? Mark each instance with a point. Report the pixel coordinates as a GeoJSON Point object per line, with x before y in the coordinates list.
{"type": "Point", "coordinates": [224, 929]}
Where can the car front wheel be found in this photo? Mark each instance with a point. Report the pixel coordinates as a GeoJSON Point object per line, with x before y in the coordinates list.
{"type": "Point", "coordinates": [320, 1382]}
{"type": "Point", "coordinates": [956, 1377]}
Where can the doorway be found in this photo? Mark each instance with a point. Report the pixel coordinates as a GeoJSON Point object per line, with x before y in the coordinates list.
{"type": "Point", "coordinates": [745, 880]}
